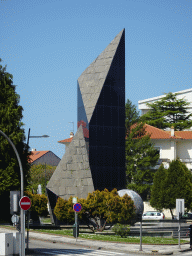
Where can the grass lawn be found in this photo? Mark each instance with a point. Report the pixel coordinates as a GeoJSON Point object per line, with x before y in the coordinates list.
{"type": "Point", "coordinates": [113, 238]}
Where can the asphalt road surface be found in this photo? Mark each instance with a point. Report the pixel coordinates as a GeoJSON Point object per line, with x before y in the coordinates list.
{"type": "Point", "coordinates": [64, 249]}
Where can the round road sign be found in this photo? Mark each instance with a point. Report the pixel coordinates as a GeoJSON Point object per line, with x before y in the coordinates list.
{"type": "Point", "coordinates": [25, 203]}
{"type": "Point", "coordinates": [77, 207]}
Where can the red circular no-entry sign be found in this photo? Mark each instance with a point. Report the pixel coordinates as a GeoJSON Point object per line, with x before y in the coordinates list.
{"type": "Point", "coordinates": [25, 203]}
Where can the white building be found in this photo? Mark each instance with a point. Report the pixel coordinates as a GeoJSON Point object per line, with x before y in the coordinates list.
{"type": "Point", "coordinates": [172, 145]}
{"type": "Point", "coordinates": [185, 94]}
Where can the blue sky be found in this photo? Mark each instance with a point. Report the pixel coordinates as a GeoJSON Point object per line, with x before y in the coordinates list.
{"type": "Point", "coordinates": [47, 44]}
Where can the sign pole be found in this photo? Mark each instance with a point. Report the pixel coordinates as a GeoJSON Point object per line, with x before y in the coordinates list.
{"type": "Point", "coordinates": [140, 234]}
{"type": "Point", "coordinates": [76, 225]}
{"type": "Point", "coordinates": [25, 204]}
{"type": "Point", "coordinates": [28, 214]}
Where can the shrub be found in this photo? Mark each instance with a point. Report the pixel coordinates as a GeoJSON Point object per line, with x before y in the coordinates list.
{"type": "Point", "coordinates": [99, 208]}
{"type": "Point", "coordinates": [121, 230]}
{"type": "Point", "coordinates": [38, 204]}
{"type": "Point", "coordinates": [64, 210]}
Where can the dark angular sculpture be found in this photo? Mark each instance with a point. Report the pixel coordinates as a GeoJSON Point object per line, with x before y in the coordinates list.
{"type": "Point", "coordinates": [95, 158]}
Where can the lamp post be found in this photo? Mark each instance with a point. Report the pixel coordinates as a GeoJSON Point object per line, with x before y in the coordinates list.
{"type": "Point", "coordinates": [22, 230]}
{"type": "Point", "coordinates": [43, 136]}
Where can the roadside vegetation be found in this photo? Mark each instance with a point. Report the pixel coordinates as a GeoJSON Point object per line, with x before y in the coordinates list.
{"type": "Point", "coordinates": [114, 238]}
{"type": "Point", "coordinates": [99, 208]}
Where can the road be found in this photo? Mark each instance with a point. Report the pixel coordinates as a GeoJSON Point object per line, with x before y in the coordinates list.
{"type": "Point", "coordinates": [64, 249]}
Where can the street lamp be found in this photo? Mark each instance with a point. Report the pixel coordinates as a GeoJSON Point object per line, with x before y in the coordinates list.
{"type": "Point", "coordinates": [43, 136]}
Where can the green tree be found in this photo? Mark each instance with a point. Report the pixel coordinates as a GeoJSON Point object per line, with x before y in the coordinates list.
{"type": "Point", "coordinates": [167, 112]}
{"type": "Point", "coordinates": [131, 115]}
{"type": "Point", "coordinates": [140, 154]}
{"type": "Point", "coordinates": [11, 125]}
{"type": "Point", "coordinates": [39, 174]}
{"type": "Point", "coordinates": [158, 189]}
{"type": "Point", "coordinates": [176, 183]}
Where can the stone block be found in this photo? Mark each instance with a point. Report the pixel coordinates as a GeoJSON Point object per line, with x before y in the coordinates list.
{"type": "Point", "coordinates": [88, 173]}
{"type": "Point", "coordinates": [84, 182]}
{"type": "Point", "coordinates": [82, 192]}
{"type": "Point", "coordinates": [76, 143]}
{"type": "Point", "coordinates": [78, 158]}
{"type": "Point", "coordinates": [68, 160]}
{"type": "Point", "coordinates": [73, 167]}
{"type": "Point", "coordinates": [63, 165]}
{"type": "Point", "coordinates": [81, 151]}
{"type": "Point", "coordinates": [62, 191]}
{"type": "Point", "coordinates": [73, 151]}
{"type": "Point", "coordinates": [90, 189]}
{"type": "Point", "coordinates": [82, 174]}
{"type": "Point", "coordinates": [63, 174]}
{"type": "Point", "coordinates": [68, 174]}
{"type": "Point", "coordinates": [89, 182]}
{"type": "Point", "coordinates": [85, 159]}
{"type": "Point", "coordinates": [82, 143]}
{"type": "Point", "coordinates": [81, 166]}
{"type": "Point", "coordinates": [68, 183]}
{"type": "Point", "coordinates": [72, 191]}
{"type": "Point", "coordinates": [86, 165]}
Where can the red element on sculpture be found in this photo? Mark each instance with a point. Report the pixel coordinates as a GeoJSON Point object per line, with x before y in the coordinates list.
{"type": "Point", "coordinates": [85, 130]}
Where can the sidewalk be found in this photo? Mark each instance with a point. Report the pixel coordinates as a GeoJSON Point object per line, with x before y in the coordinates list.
{"type": "Point", "coordinates": [120, 247]}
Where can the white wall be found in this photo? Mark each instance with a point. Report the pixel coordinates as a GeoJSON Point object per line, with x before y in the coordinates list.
{"type": "Point", "coordinates": [165, 148]}
{"type": "Point", "coordinates": [184, 149]}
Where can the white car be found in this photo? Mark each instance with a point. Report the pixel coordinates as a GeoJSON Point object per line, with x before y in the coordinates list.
{"type": "Point", "coordinates": [153, 215]}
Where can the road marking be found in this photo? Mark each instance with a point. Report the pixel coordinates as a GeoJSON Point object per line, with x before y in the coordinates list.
{"type": "Point", "coordinates": [86, 252]}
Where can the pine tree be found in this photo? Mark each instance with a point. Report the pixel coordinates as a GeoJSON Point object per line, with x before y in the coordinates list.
{"type": "Point", "coordinates": [178, 185]}
{"type": "Point", "coordinates": [140, 154]}
{"type": "Point", "coordinates": [157, 199]}
{"type": "Point", "coordinates": [11, 125]}
{"type": "Point", "coordinates": [167, 112]}
{"type": "Point", "coordinates": [171, 184]}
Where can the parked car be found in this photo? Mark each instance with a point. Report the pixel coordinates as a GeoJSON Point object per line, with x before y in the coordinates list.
{"type": "Point", "coordinates": [153, 215]}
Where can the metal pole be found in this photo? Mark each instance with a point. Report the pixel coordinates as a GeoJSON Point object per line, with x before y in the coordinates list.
{"type": "Point", "coordinates": [76, 225]}
{"type": "Point", "coordinates": [140, 234]}
{"type": "Point", "coordinates": [28, 137]}
{"type": "Point", "coordinates": [22, 232]}
{"type": "Point", "coordinates": [45, 178]}
{"type": "Point", "coordinates": [179, 244]}
{"type": "Point", "coordinates": [28, 229]}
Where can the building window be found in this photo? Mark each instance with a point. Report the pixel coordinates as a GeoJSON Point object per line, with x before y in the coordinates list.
{"type": "Point", "coordinates": [159, 151]}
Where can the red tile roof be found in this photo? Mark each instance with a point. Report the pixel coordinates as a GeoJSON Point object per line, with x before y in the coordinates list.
{"type": "Point", "coordinates": [156, 133]}
{"type": "Point", "coordinates": [66, 140]}
{"type": "Point", "coordinates": [186, 135]}
{"type": "Point", "coordinates": [37, 154]}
